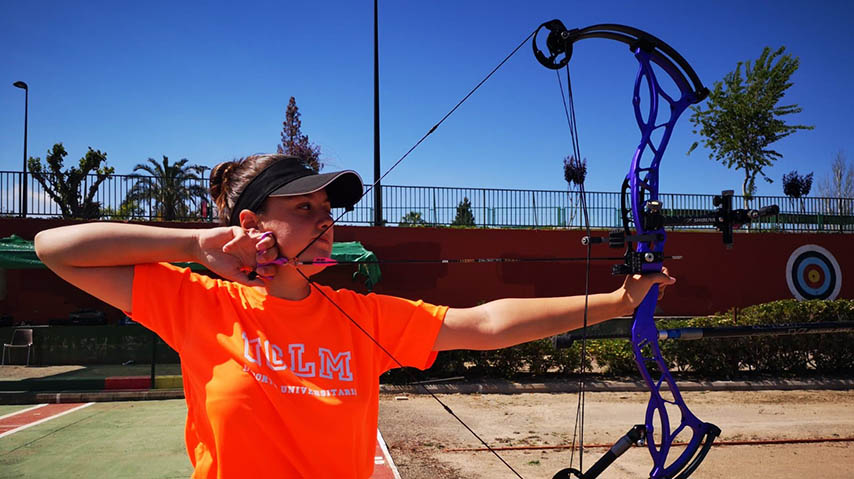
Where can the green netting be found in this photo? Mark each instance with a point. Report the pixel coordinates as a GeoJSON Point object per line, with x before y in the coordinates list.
{"type": "Point", "coordinates": [18, 253]}
{"type": "Point", "coordinates": [354, 251]}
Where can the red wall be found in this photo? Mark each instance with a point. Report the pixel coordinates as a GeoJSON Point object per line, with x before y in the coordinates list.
{"type": "Point", "coordinates": [710, 278]}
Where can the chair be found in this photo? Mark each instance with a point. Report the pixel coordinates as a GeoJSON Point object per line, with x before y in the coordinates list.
{"type": "Point", "coordinates": [21, 338]}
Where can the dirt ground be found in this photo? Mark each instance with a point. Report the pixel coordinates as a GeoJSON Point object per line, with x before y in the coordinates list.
{"type": "Point", "coordinates": [420, 433]}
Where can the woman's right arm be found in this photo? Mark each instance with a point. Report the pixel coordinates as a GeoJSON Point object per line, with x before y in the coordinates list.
{"type": "Point", "coordinates": [99, 258]}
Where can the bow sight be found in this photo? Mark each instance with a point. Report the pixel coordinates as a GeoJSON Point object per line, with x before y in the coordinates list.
{"type": "Point", "coordinates": [724, 218]}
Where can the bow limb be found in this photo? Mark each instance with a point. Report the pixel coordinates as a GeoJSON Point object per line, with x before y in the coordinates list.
{"type": "Point", "coordinates": [648, 356]}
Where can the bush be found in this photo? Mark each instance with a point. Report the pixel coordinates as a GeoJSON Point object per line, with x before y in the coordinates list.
{"type": "Point", "coordinates": [802, 354]}
{"type": "Point", "coordinates": [789, 355]}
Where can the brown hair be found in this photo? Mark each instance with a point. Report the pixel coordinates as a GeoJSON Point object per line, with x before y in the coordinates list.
{"type": "Point", "coordinates": [229, 179]}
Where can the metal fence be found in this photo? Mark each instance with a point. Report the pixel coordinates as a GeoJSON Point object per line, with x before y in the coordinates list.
{"type": "Point", "coordinates": [432, 205]}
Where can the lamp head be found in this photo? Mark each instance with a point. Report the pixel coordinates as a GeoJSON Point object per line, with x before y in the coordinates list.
{"type": "Point", "coordinates": [20, 84]}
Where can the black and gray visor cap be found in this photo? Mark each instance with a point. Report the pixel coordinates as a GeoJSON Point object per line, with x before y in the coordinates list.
{"type": "Point", "coordinates": [292, 178]}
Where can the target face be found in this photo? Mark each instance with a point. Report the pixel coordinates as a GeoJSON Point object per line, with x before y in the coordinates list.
{"type": "Point", "coordinates": [813, 273]}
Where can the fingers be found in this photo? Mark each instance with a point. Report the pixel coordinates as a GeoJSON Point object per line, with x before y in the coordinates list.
{"type": "Point", "coordinates": [265, 271]}
{"type": "Point", "coordinates": [266, 248]}
{"type": "Point", "coordinates": [255, 252]}
{"type": "Point", "coordinates": [233, 245]}
{"type": "Point", "coordinates": [664, 280]}
{"type": "Point", "coordinates": [266, 252]}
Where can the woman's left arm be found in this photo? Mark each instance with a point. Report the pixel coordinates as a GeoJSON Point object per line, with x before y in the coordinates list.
{"type": "Point", "coordinates": [507, 322]}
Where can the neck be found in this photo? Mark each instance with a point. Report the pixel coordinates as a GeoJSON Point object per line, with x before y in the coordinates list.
{"type": "Point", "coordinates": [288, 284]}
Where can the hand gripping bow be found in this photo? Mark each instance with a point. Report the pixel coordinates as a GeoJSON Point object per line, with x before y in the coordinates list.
{"type": "Point", "coordinates": [642, 212]}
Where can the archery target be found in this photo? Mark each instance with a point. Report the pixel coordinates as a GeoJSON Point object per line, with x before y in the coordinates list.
{"type": "Point", "coordinates": [813, 273]}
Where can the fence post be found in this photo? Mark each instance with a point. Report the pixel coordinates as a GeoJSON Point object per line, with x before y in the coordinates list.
{"type": "Point", "coordinates": [483, 199]}
{"type": "Point", "coordinates": [534, 203]}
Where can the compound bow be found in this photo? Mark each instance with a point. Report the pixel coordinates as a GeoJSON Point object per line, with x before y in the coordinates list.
{"type": "Point", "coordinates": [644, 225]}
{"type": "Point", "coordinates": [645, 216]}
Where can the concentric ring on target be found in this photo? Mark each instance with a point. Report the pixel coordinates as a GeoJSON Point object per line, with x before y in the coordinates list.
{"type": "Point", "coordinates": [813, 273]}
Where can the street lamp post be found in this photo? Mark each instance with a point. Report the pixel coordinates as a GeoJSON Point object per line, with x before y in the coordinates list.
{"type": "Point", "coordinates": [26, 89]}
{"type": "Point", "coordinates": [378, 189]}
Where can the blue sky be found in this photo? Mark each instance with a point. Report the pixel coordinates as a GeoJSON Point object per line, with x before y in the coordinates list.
{"type": "Point", "coordinates": [209, 81]}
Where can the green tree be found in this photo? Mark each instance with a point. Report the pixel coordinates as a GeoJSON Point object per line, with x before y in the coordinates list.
{"type": "Point", "coordinates": [838, 186]}
{"type": "Point", "coordinates": [172, 190]}
{"type": "Point", "coordinates": [128, 210]}
{"type": "Point", "coordinates": [294, 142]}
{"type": "Point", "coordinates": [743, 119]}
{"type": "Point", "coordinates": [413, 218]}
{"type": "Point", "coordinates": [66, 188]}
{"type": "Point", "coordinates": [464, 217]}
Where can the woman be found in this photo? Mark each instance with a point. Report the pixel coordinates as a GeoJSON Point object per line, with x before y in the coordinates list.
{"type": "Point", "coordinates": [277, 379]}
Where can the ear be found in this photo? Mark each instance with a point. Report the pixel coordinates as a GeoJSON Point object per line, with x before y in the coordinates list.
{"type": "Point", "coordinates": [248, 219]}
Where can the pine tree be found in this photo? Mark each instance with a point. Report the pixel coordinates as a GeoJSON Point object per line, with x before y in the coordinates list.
{"type": "Point", "coordinates": [464, 217]}
{"type": "Point", "coordinates": [294, 142]}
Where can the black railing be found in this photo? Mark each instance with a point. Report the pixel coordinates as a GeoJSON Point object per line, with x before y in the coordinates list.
{"type": "Point", "coordinates": [435, 205]}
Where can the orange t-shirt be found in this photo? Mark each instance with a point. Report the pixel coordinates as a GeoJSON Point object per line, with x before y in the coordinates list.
{"type": "Point", "coordinates": [275, 387]}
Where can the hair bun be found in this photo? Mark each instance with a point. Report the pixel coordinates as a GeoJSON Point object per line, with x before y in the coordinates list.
{"type": "Point", "coordinates": [221, 183]}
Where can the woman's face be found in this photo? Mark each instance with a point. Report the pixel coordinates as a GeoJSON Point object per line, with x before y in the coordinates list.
{"type": "Point", "coordinates": [297, 221]}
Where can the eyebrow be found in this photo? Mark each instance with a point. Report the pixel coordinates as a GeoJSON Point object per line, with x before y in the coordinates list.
{"type": "Point", "coordinates": [306, 197]}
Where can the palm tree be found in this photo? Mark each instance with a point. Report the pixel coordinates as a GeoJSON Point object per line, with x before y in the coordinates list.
{"type": "Point", "coordinates": [171, 190]}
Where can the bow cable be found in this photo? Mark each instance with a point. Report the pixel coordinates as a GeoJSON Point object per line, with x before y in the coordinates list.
{"type": "Point", "coordinates": [569, 111]}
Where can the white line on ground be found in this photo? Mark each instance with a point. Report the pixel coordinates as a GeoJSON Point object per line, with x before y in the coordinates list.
{"type": "Point", "coordinates": [381, 442]}
{"type": "Point", "coordinates": [23, 411]}
{"type": "Point", "coordinates": [63, 413]}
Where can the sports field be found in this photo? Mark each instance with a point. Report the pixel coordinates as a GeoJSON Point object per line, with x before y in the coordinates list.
{"type": "Point", "coordinates": [798, 428]}
{"type": "Point", "coordinates": [136, 439]}
{"type": "Point", "coordinates": [133, 439]}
